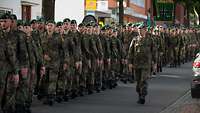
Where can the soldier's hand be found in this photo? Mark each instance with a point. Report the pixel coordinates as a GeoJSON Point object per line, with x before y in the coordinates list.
{"type": "Point", "coordinates": [77, 65]}
{"type": "Point", "coordinates": [24, 72]}
{"type": "Point", "coordinates": [101, 62]}
{"type": "Point", "coordinates": [42, 71]}
{"type": "Point", "coordinates": [65, 67]}
{"type": "Point", "coordinates": [109, 61]}
{"type": "Point", "coordinates": [15, 79]}
{"type": "Point", "coordinates": [126, 61]}
{"type": "Point", "coordinates": [46, 57]}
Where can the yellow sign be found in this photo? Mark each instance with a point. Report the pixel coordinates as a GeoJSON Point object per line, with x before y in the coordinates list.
{"type": "Point", "coordinates": [91, 5]}
{"type": "Point", "coordinates": [165, 1]}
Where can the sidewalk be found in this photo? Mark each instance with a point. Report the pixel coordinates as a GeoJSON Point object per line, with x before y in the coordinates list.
{"type": "Point", "coordinates": [184, 104]}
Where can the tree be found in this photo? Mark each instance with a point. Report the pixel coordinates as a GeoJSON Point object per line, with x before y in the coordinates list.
{"type": "Point", "coordinates": [189, 6]}
{"type": "Point", "coordinates": [48, 9]}
{"type": "Point", "coordinates": [121, 12]}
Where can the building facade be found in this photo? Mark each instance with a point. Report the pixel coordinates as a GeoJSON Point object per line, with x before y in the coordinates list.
{"type": "Point", "coordinates": [24, 9]}
{"type": "Point", "coordinates": [134, 10]}
{"type": "Point", "coordinates": [167, 12]}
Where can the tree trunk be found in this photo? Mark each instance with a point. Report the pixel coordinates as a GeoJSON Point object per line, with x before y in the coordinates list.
{"type": "Point", "coordinates": [121, 12]}
{"type": "Point", "coordinates": [174, 18]}
{"type": "Point", "coordinates": [48, 9]}
{"type": "Point", "coordinates": [188, 17]}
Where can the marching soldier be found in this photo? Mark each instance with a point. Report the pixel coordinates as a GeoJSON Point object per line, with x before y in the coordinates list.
{"type": "Point", "coordinates": [12, 79]}
{"type": "Point", "coordinates": [52, 51]}
{"type": "Point", "coordinates": [142, 63]}
{"type": "Point", "coordinates": [9, 77]}
{"type": "Point", "coordinates": [77, 59]}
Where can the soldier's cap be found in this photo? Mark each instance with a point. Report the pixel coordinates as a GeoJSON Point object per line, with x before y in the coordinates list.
{"type": "Point", "coordinates": [20, 23]}
{"type": "Point", "coordinates": [134, 25]}
{"type": "Point", "coordinates": [50, 21]}
{"type": "Point", "coordinates": [66, 20]}
{"type": "Point", "coordinates": [89, 24]}
{"type": "Point", "coordinates": [59, 24]}
{"type": "Point", "coordinates": [6, 16]}
{"type": "Point", "coordinates": [33, 21]}
{"type": "Point", "coordinates": [27, 23]}
{"type": "Point", "coordinates": [107, 27]}
{"type": "Point", "coordinates": [141, 26]}
{"type": "Point", "coordinates": [95, 25]}
{"type": "Point", "coordinates": [81, 25]}
{"type": "Point", "coordinates": [13, 17]}
{"type": "Point", "coordinates": [103, 28]}
{"type": "Point", "coordinates": [114, 30]}
{"type": "Point", "coordinates": [124, 26]}
{"type": "Point", "coordinates": [0, 16]}
{"type": "Point", "coordinates": [129, 25]}
{"type": "Point", "coordinates": [73, 22]}
{"type": "Point", "coordinates": [41, 20]}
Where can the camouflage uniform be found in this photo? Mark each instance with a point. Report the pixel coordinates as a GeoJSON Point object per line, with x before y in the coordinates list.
{"type": "Point", "coordinates": [8, 64]}
{"type": "Point", "coordinates": [22, 54]}
{"type": "Point", "coordinates": [33, 56]}
{"type": "Point", "coordinates": [77, 60]}
{"type": "Point", "coordinates": [52, 50]}
{"type": "Point", "coordinates": [9, 100]}
{"type": "Point", "coordinates": [65, 79]}
{"type": "Point", "coordinates": [99, 69]}
{"type": "Point", "coordinates": [142, 65]}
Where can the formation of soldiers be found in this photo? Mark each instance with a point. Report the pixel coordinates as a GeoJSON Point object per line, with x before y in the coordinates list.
{"type": "Point", "coordinates": [61, 61]}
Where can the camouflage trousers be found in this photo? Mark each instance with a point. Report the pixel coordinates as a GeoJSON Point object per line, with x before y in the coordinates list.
{"type": "Point", "coordinates": [64, 83]}
{"type": "Point", "coordinates": [8, 97]}
{"type": "Point", "coordinates": [141, 78]}
{"type": "Point", "coordinates": [24, 92]}
{"type": "Point", "coordinates": [3, 75]}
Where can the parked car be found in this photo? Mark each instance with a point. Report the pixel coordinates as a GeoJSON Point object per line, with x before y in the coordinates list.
{"type": "Point", "coordinates": [195, 84]}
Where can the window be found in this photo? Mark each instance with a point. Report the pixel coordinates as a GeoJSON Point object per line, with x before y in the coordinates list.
{"type": "Point", "coordinates": [140, 3]}
{"type": "Point", "coordinates": [165, 12]}
{"type": "Point", "coordinates": [5, 10]}
{"type": "Point", "coordinates": [26, 12]}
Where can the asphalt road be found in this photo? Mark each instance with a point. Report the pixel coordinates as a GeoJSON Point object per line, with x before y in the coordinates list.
{"type": "Point", "coordinates": [164, 90]}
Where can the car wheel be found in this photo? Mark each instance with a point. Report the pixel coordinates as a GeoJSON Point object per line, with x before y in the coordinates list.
{"type": "Point", "coordinates": [194, 94]}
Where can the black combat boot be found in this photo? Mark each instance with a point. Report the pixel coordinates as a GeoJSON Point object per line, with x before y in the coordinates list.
{"type": "Point", "coordinates": [59, 97]}
{"type": "Point", "coordinates": [49, 100]}
{"type": "Point", "coordinates": [19, 108]}
{"type": "Point", "coordinates": [81, 91]}
{"type": "Point", "coordinates": [27, 107]}
{"type": "Point", "coordinates": [73, 94]}
{"type": "Point", "coordinates": [141, 100]}
{"type": "Point", "coordinates": [66, 96]}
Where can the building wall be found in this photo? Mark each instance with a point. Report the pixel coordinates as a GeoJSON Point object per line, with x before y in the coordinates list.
{"type": "Point", "coordinates": [14, 5]}
{"type": "Point", "coordinates": [36, 10]}
{"type": "Point", "coordinates": [112, 3]}
{"type": "Point", "coordinates": [180, 13]}
{"type": "Point", "coordinates": [73, 10]}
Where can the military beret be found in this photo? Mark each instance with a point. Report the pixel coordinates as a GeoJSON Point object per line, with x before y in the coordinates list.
{"type": "Point", "coordinates": [13, 17]}
{"type": "Point", "coordinates": [6, 16]}
{"type": "Point", "coordinates": [20, 23]}
{"type": "Point", "coordinates": [95, 25]}
{"type": "Point", "coordinates": [114, 30]}
{"type": "Point", "coordinates": [27, 23]}
{"type": "Point", "coordinates": [129, 24]}
{"type": "Point", "coordinates": [41, 20]}
{"type": "Point", "coordinates": [73, 22]}
{"type": "Point", "coordinates": [33, 21]}
{"type": "Point", "coordinates": [58, 24]}
{"type": "Point", "coordinates": [89, 24]}
{"type": "Point", "coordinates": [81, 25]}
{"type": "Point", "coordinates": [50, 21]}
{"type": "Point", "coordinates": [66, 20]}
{"type": "Point", "coordinates": [103, 28]}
